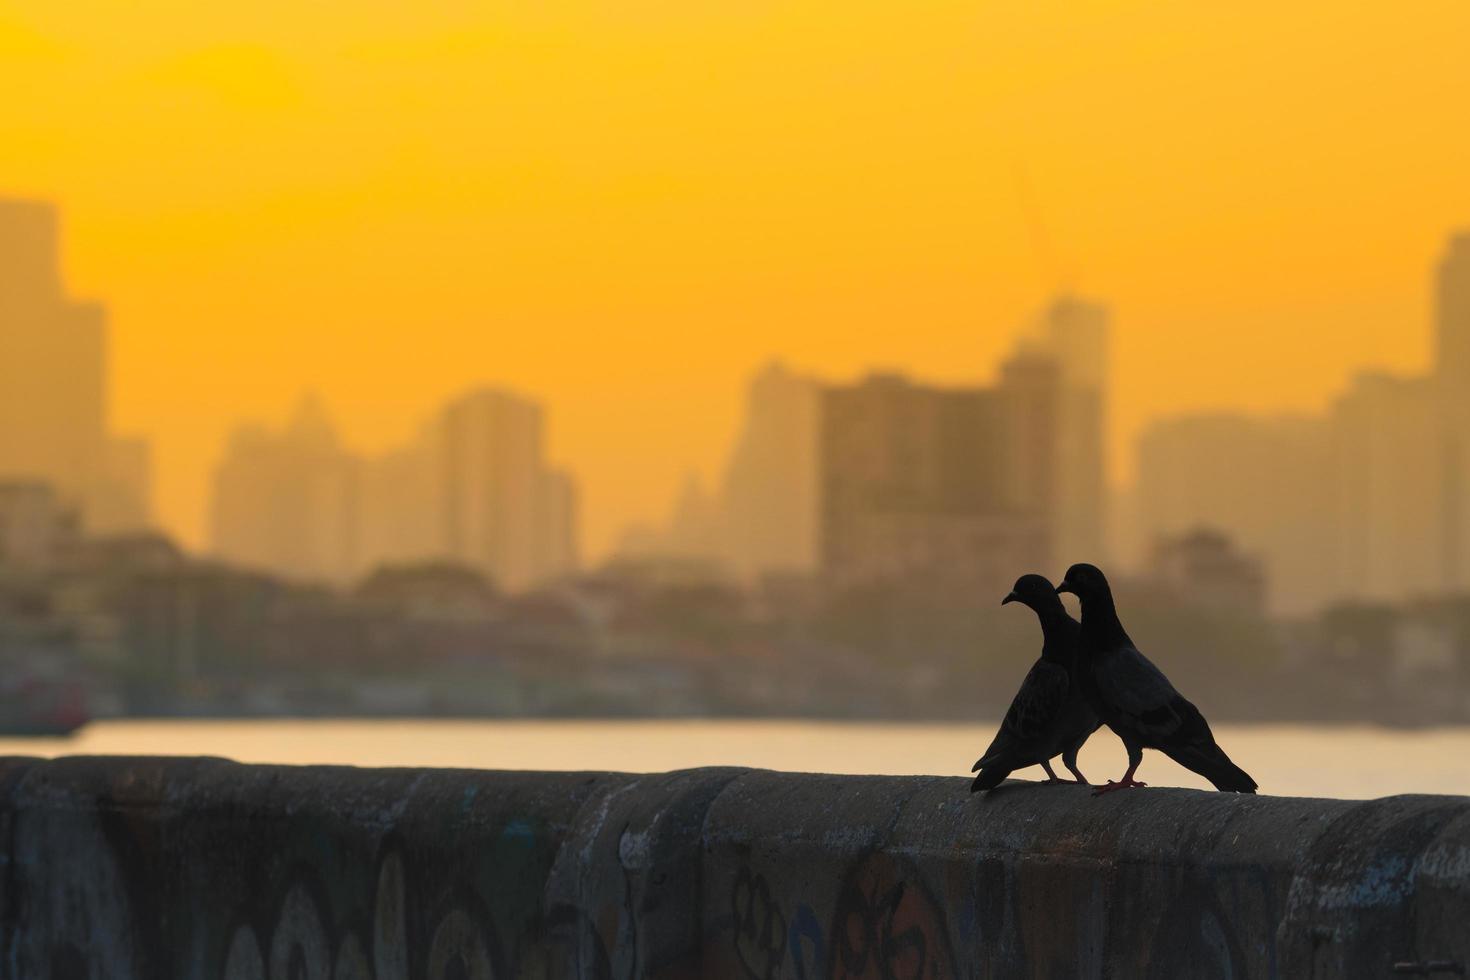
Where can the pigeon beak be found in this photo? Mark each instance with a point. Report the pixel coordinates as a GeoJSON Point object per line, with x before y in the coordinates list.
{"type": "Point", "coordinates": [1066, 587]}
{"type": "Point", "coordinates": [1010, 597]}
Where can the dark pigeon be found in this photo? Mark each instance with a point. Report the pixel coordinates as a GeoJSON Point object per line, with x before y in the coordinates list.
{"type": "Point", "coordinates": [1135, 699]}
{"type": "Point", "coordinates": [1049, 714]}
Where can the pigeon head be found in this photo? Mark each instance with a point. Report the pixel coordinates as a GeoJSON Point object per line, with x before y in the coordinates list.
{"type": "Point", "coordinates": [1034, 591]}
{"type": "Point", "coordinates": [1031, 589]}
{"type": "Point", "coordinates": [1085, 582]}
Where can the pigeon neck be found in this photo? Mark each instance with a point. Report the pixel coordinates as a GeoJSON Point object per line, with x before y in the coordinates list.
{"type": "Point", "coordinates": [1100, 621]}
{"type": "Point", "coordinates": [1052, 616]}
{"type": "Point", "coordinates": [1058, 632]}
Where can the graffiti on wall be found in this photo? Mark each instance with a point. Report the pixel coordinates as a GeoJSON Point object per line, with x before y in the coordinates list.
{"type": "Point", "coordinates": [460, 943]}
{"type": "Point", "coordinates": [884, 925]}
{"type": "Point", "coordinates": [301, 944]}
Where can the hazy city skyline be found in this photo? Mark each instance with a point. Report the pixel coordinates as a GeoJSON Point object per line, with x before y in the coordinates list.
{"type": "Point", "coordinates": [122, 468]}
{"type": "Point", "coordinates": [606, 530]}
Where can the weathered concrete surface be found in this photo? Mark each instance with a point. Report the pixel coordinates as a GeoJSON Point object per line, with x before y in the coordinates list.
{"type": "Point", "coordinates": [156, 868]}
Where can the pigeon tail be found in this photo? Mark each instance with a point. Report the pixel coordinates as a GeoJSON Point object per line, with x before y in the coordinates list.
{"type": "Point", "coordinates": [1212, 763]}
{"type": "Point", "coordinates": [989, 779]}
{"type": "Point", "coordinates": [987, 760]}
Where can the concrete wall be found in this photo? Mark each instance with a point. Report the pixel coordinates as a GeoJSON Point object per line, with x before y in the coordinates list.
{"type": "Point", "coordinates": [153, 868]}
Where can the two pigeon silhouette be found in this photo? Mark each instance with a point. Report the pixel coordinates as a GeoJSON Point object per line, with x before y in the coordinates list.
{"type": "Point", "coordinates": [1091, 674]}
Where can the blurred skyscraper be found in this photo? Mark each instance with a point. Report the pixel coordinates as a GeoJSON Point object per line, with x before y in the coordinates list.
{"type": "Point", "coordinates": [53, 381]}
{"type": "Point", "coordinates": [286, 501]}
{"type": "Point", "coordinates": [1452, 313]}
{"type": "Point", "coordinates": [1074, 333]}
{"type": "Point", "coordinates": [487, 449]}
{"type": "Point", "coordinates": [915, 488]}
{"type": "Point", "coordinates": [1452, 375]}
{"type": "Point", "coordinates": [1391, 477]}
{"type": "Point", "coordinates": [52, 370]}
{"type": "Point", "coordinates": [503, 510]}
{"type": "Point", "coordinates": [1029, 404]}
{"type": "Point", "coordinates": [399, 507]}
{"type": "Point", "coordinates": [769, 497]}
{"type": "Point", "coordinates": [558, 510]}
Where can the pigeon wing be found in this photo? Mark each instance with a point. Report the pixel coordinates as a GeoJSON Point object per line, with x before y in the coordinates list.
{"type": "Point", "coordinates": [1035, 709]}
{"type": "Point", "coordinates": [1135, 687]}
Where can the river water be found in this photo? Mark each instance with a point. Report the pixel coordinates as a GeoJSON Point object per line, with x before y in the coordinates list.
{"type": "Point", "coordinates": [1289, 760]}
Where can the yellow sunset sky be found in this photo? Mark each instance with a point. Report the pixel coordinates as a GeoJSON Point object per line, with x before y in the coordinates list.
{"type": "Point", "coordinates": [623, 207]}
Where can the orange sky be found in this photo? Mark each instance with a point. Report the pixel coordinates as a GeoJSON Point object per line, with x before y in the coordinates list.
{"type": "Point", "coordinates": [623, 206]}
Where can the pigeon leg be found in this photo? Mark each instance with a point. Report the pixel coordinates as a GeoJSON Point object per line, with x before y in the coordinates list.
{"type": "Point", "coordinates": [1135, 756]}
{"type": "Point", "coordinates": [1051, 776]}
{"type": "Point", "coordinates": [1069, 759]}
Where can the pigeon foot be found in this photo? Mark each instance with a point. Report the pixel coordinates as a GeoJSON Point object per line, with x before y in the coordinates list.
{"type": "Point", "coordinates": [1124, 783]}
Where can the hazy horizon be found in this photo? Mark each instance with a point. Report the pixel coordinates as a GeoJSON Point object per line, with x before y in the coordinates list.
{"type": "Point", "coordinates": [624, 213]}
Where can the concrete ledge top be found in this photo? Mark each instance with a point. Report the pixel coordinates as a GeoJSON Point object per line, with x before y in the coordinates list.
{"type": "Point", "coordinates": [784, 805]}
